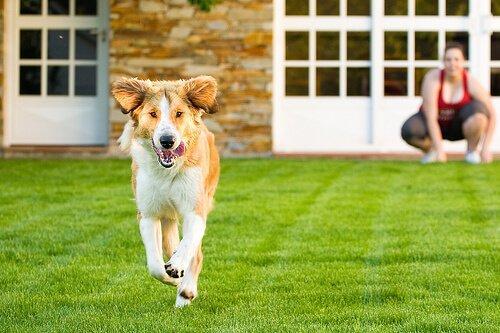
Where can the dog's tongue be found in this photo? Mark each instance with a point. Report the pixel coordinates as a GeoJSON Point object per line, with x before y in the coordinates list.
{"type": "Point", "coordinates": [179, 151]}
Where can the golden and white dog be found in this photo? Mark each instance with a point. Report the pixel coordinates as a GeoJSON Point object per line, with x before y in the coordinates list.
{"type": "Point", "coordinates": [175, 170]}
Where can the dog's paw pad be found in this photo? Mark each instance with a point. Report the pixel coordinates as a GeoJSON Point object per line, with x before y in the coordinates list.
{"type": "Point", "coordinates": [173, 272]}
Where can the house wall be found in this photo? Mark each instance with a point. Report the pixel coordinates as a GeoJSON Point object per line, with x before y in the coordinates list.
{"type": "Point", "coordinates": [173, 39]}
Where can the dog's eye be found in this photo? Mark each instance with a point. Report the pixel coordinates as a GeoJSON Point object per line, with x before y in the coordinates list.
{"type": "Point", "coordinates": [178, 114]}
{"type": "Point", "coordinates": [153, 114]}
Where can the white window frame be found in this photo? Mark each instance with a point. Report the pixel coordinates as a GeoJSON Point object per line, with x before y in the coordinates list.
{"type": "Point", "coordinates": [383, 114]}
{"type": "Point", "coordinates": [11, 60]}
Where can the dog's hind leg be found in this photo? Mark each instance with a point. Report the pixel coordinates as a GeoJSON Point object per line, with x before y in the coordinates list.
{"type": "Point", "coordinates": [170, 232]}
{"type": "Point", "coordinates": [188, 288]}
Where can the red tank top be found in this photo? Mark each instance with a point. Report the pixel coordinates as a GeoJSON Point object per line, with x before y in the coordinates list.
{"type": "Point", "coordinates": [448, 111]}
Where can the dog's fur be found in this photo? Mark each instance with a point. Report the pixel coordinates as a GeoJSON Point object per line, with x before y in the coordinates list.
{"type": "Point", "coordinates": [171, 184]}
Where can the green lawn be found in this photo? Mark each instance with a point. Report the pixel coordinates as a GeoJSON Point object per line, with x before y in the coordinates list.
{"type": "Point", "coordinates": [292, 245]}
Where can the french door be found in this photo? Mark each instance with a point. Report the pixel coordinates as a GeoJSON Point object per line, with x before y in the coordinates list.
{"type": "Point", "coordinates": [56, 72]}
{"type": "Point", "coordinates": [347, 73]}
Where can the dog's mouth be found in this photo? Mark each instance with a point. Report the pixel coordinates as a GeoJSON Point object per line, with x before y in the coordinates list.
{"type": "Point", "coordinates": [167, 157]}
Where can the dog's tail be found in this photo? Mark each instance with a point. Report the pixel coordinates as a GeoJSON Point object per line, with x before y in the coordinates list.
{"type": "Point", "coordinates": [125, 140]}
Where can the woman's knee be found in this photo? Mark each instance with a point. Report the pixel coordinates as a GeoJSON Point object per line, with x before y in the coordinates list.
{"type": "Point", "coordinates": [413, 128]}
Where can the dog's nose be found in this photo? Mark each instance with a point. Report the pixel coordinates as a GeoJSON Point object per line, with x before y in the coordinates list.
{"type": "Point", "coordinates": [167, 141]}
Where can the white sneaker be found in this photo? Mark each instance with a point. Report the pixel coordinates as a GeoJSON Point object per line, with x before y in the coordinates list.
{"type": "Point", "coordinates": [472, 157]}
{"type": "Point", "coordinates": [430, 157]}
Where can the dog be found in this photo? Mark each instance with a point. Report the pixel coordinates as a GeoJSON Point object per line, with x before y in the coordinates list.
{"type": "Point", "coordinates": [175, 171]}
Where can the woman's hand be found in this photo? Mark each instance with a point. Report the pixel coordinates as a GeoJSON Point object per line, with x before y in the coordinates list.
{"type": "Point", "coordinates": [486, 156]}
{"type": "Point", "coordinates": [441, 156]}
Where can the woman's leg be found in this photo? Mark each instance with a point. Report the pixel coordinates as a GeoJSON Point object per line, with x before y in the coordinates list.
{"type": "Point", "coordinates": [414, 132]}
{"type": "Point", "coordinates": [474, 117]}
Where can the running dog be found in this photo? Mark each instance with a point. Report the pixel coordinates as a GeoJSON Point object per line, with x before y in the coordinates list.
{"type": "Point", "coordinates": [175, 170]}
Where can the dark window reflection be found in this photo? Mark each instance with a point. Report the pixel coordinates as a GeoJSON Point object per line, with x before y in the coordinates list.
{"type": "Point", "coordinates": [86, 44]}
{"type": "Point", "coordinates": [30, 44]}
{"type": "Point", "coordinates": [419, 77]}
{"type": "Point", "coordinates": [358, 81]}
{"type": "Point", "coordinates": [327, 81]}
{"type": "Point", "coordinates": [395, 82]}
{"type": "Point", "coordinates": [327, 45]}
{"type": "Point", "coordinates": [29, 80]}
{"type": "Point", "coordinates": [30, 7]}
{"type": "Point", "coordinates": [396, 7]}
{"type": "Point", "coordinates": [495, 7]}
{"type": "Point", "coordinates": [58, 45]}
{"type": "Point", "coordinates": [495, 82]}
{"type": "Point", "coordinates": [85, 80]}
{"type": "Point", "coordinates": [426, 45]}
{"type": "Point", "coordinates": [58, 7]}
{"type": "Point", "coordinates": [461, 37]}
{"type": "Point", "coordinates": [297, 81]}
{"type": "Point", "coordinates": [297, 45]}
{"type": "Point", "coordinates": [358, 45]}
{"type": "Point", "coordinates": [426, 7]}
{"type": "Point", "coordinates": [86, 7]}
{"type": "Point", "coordinates": [396, 45]}
{"type": "Point", "coordinates": [358, 7]}
{"type": "Point", "coordinates": [457, 7]}
{"type": "Point", "coordinates": [297, 7]}
{"type": "Point", "coordinates": [327, 7]}
{"type": "Point", "coordinates": [495, 46]}
{"type": "Point", "coordinates": [57, 80]}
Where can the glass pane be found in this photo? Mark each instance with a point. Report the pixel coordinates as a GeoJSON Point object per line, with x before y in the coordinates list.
{"type": "Point", "coordinates": [29, 80]}
{"type": "Point", "coordinates": [327, 7]}
{"type": "Point", "coordinates": [426, 45]}
{"type": "Point", "coordinates": [31, 7]}
{"type": "Point", "coordinates": [85, 80]}
{"type": "Point", "coordinates": [457, 7]}
{"type": "Point", "coordinates": [297, 45]}
{"type": "Point", "coordinates": [58, 45]}
{"type": "Point", "coordinates": [419, 77]}
{"type": "Point", "coordinates": [495, 82]}
{"type": "Point", "coordinates": [297, 81]}
{"type": "Point", "coordinates": [57, 80]}
{"type": "Point", "coordinates": [495, 7]}
{"type": "Point", "coordinates": [86, 44]}
{"type": "Point", "coordinates": [395, 45]}
{"type": "Point", "coordinates": [358, 81]}
{"type": "Point", "coordinates": [86, 7]}
{"type": "Point", "coordinates": [495, 46]}
{"type": "Point", "coordinates": [327, 45]}
{"type": "Point", "coordinates": [396, 7]}
{"type": "Point", "coordinates": [426, 7]}
{"type": "Point", "coordinates": [30, 44]}
{"type": "Point", "coordinates": [461, 37]}
{"type": "Point", "coordinates": [58, 7]}
{"type": "Point", "coordinates": [358, 7]}
{"type": "Point", "coordinates": [358, 45]}
{"type": "Point", "coordinates": [395, 82]}
{"type": "Point", "coordinates": [327, 81]}
{"type": "Point", "coordinates": [297, 7]}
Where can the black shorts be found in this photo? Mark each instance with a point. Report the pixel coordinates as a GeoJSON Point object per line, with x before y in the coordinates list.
{"type": "Point", "coordinates": [416, 126]}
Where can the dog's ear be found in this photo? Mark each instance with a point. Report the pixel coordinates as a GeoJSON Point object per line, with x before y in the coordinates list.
{"type": "Point", "coordinates": [130, 93]}
{"type": "Point", "coordinates": [201, 92]}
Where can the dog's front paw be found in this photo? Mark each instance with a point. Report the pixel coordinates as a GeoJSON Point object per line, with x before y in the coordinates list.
{"type": "Point", "coordinates": [173, 272]}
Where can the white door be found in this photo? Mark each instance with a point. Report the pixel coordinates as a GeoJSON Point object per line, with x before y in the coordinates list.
{"type": "Point", "coordinates": [328, 52]}
{"type": "Point", "coordinates": [56, 71]}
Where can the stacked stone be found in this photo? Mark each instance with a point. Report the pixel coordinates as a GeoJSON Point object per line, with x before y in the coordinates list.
{"type": "Point", "coordinates": [172, 39]}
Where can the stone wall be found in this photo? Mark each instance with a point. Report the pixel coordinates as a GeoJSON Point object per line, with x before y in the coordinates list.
{"type": "Point", "coordinates": [171, 39]}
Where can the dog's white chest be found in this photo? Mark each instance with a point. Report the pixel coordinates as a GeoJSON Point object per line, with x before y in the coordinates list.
{"type": "Point", "coordinates": [161, 191]}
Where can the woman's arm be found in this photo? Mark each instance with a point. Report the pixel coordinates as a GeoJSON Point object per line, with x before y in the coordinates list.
{"type": "Point", "coordinates": [430, 92]}
{"type": "Point", "coordinates": [480, 94]}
